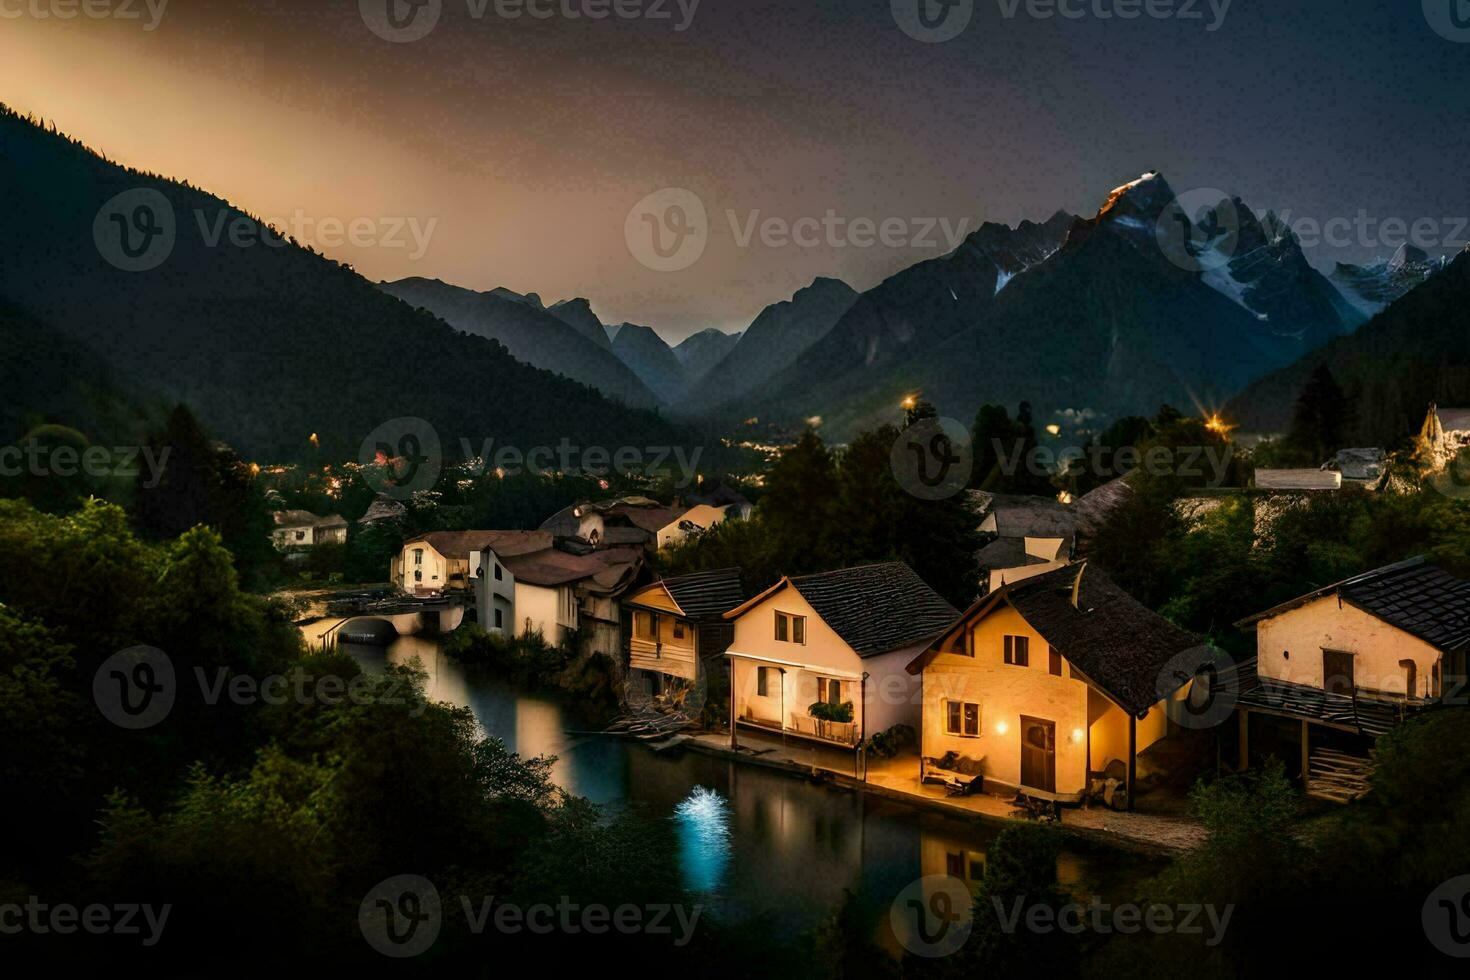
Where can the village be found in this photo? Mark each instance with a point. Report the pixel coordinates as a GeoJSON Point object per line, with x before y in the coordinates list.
{"type": "Point", "coordinates": [1055, 695]}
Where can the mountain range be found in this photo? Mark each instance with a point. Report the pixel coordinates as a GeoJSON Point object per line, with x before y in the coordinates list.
{"type": "Point", "coordinates": [268, 342]}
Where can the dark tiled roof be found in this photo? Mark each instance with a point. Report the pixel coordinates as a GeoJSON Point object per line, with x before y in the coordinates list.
{"type": "Point", "coordinates": [1019, 516]}
{"type": "Point", "coordinates": [1359, 713]}
{"type": "Point", "coordinates": [876, 608]}
{"type": "Point", "coordinates": [1419, 598]}
{"type": "Point", "coordinates": [1126, 649]}
{"type": "Point", "coordinates": [707, 594]}
{"type": "Point", "coordinates": [506, 544]}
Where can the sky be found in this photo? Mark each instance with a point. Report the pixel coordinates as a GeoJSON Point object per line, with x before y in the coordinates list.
{"type": "Point", "coordinates": [844, 138]}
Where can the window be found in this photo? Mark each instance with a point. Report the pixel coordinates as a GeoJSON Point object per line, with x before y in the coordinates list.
{"type": "Point", "coordinates": [790, 629]}
{"type": "Point", "coordinates": [499, 618]}
{"type": "Point", "coordinates": [763, 681]}
{"type": "Point", "coordinates": [1054, 660]}
{"type": "Point", "coordinates": [954, 864]}
{"type": "Point", "coordinates": [499, 573]}
{"type": "Point", "coordinates": [300, 535]}
{"type": "Point", "coordinates": [643, 625]}
{"type": "Point", "coordinates": [1018, 650]}
{"type": "Point", "coordinates": [833, 692]}
{"type": "Point", "coordinates": [678, 630]}
{"type": "Point", "coordinates": [418, 556]}
{"type": "Point", "coordinates": [418, 576]}
{"type": "Point", "coordinates": [962, 718]}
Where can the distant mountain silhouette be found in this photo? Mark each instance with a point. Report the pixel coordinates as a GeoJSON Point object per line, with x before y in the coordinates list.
{"type": "Point", "coordinates": [700, 352]}
{"type": "Point", "coordinates": [268, 343]}
{"type": "Point", "coordinates": [651, 358]}
{"type": "Point", "coordinates": [531, 333]}
{"type": "Point", "coordinates": [577, 313]}
{"type": "Point", "coordinates": [773, 342]}
{"type": "Point", "coordinates": [1415, 352]}
{"type": "Point", "coordinates": [1086, 319]}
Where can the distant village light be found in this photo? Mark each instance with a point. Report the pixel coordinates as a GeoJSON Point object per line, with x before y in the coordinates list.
{"type": "Point", "coordinates": [315, 441]}
{"type": "Point", "coordinates": [1054, 429]}
{"type": "Point", "coordinates": [1218, 425]}
{"type": "Point", "coordinates": [908, 403]}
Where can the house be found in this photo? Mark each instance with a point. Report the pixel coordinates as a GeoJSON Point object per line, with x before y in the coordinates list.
{"type": "Point", "coordinates": [838, 638]}
{"type": "Point", "coordinates": [678, 631]}
{"type": "Point", "coordinates": [632, 521]}
{"type": "Point", "coordinates": [1049, 683]}
{"type": "Point", "coordinates": [1338, 667]}
{"type": "Point", "coordinates": [443, 561]}
{"type": "Point", "coordinates": [303, 529]}
{"type": "Point", "coordinates": [553, 591]}
{"type": "Point", "coordinates": [1365, 466]}
{"type": "Point", "coordinates": [732, 502]}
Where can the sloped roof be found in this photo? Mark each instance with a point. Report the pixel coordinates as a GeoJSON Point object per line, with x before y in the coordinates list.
{"type": "Point", "coordinates": [1359, 711]}
{"type": "Point", "coordinates": [506, 544]}
{"type": "Point", "coordinates": [1094, 507]}
{"type": "Point", "coordinates": [704, 595]}
{"type": "Point", "coordinates": [610, 569]}
{"type": "Point", "coordinates": [1022, 517]}
{"type": "Point", "coordinates": [873, 608]}
{"type": "Point", "coordinates": [651, 519]}
{"type": "Point", "coordinates": [1126, 650]}
{"type": "Point", "coordinates": [305, 518]}
{"type": "Point", "coordinates": [1419, 598]}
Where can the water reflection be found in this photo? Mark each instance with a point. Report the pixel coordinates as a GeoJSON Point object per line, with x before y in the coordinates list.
{"type": "Point", "coordinates": [752, 841]}
{"type": "Point", "coordinates": [703, 821]}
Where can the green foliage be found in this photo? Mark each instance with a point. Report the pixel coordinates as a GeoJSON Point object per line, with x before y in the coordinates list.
{"type": "Point", "coordinates": [890, 742]}
{"type": "Point", "coordinates": [826, 711]}
{"type": "Point", "coordinates": [1002, 448]}
{"type": "Point", "coordinates": [1020, 874]}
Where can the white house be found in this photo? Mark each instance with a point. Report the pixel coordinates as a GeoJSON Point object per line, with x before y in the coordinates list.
{"type": "Point", "coordinates": [303, 529]}
{"type": "Point", "coordinates": [839, 638]}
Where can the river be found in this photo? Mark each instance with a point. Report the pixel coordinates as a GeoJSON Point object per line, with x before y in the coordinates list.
{"type": "Point", "coordinates": [752, 841]}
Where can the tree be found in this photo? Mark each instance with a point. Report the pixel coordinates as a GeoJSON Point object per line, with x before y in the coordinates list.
{"type": "Point", "coordinates": [1320, 422]}
{"type": "Point", "coordinates": [799, 504]}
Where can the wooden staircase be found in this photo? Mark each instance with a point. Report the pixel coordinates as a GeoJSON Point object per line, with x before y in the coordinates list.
{"type": "Point", "coordinates": [1338, 776]}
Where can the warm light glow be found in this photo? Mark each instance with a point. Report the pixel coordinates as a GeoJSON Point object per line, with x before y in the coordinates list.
{"type": "Point", "coordinates": [909, 402]}
{"type": "Point", "coordinates": [1064, 497]}
{"type": "Point", "coordinates": [1002, 728]}
{"type": "Point", "coordinates": [315, 441]}
{"type": "Point", "coordinates": [1216, 424]}
{"type": "Point", "coordinates": [815, 422]}
{"type": "Point", "coordinates": [1076, 734]}
{"type": "Point", "coordinates": [1054, 429]}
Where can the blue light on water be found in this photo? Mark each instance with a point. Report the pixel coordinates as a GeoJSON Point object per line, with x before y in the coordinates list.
{"type": "Point", "coordinates": [703, 823]}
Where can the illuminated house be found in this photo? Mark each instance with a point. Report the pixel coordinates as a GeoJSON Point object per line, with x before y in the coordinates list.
{"type": "Point", "coordinates": [1048, 683]}
{"type": "Point", "coordinates": [1338, 667]}
{"type": "Point", "coordinates": [837, 639]}
{"type": "Point", "coordinates": [303, 529]}
{"type": "Point", "coordinates": [679, 632]}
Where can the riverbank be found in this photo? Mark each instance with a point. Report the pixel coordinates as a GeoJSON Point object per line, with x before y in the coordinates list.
{"type": "Point", "coordinates": [897, 779]}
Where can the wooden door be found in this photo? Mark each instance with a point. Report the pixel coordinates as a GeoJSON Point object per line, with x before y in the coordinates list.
{"type": "Point", "coordinates": [1337, 672]}
{"type": "Point", "coordinates": [1038, 754]}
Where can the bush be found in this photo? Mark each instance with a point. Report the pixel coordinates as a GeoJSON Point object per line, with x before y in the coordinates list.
{"type": "Point", "coordinates": [887, 744]}
{"type": "Point", "coordinates": [824, 711]}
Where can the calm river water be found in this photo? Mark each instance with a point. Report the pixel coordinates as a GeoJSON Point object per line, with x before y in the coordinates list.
{"type": "Point", "coordinates": [752, 840]}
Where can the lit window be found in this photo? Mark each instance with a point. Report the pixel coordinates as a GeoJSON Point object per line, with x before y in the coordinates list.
{"type": "Point", "coordinates": [962, 718]}
{"type": "Point", "coordinates": [1018, 650]}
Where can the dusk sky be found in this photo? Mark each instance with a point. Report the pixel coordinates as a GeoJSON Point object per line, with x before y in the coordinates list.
{"type": "Point", "coordinates": [517, 147]}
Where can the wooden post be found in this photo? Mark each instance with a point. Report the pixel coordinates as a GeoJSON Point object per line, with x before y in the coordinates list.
{"type": "Point", "coordinates": [730, 672]}
{"type": "Point", "coordinates": [1245, 740]}
{"type": "Point", "coordinates": [1132, 758]}
{"type": "Point", "coordinates": [1306, 759]}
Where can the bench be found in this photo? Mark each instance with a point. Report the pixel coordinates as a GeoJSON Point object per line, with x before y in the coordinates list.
{"type": "Point", "coordinates": [960, 774]}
